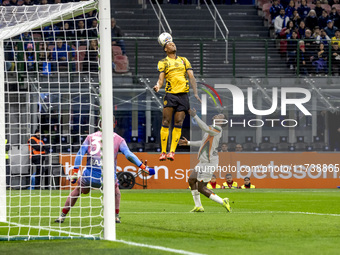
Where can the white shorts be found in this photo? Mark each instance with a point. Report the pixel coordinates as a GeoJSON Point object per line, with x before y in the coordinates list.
{"type": "Point", "coordinates": [205, 171]}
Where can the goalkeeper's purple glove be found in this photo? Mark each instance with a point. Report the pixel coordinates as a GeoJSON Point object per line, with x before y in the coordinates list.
{"type": "Point", "coordinates": [147, 170]}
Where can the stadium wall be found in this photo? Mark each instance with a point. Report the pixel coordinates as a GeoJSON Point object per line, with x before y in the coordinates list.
{"type": "Point", "coordinates": [266, 170]}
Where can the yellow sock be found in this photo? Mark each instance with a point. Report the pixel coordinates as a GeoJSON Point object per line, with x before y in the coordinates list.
{"type": "Point", "coordinates": [176, 135]}
{"type": "Point", "coordinates": [164, 138]}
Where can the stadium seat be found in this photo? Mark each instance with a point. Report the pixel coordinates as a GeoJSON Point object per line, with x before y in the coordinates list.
{"type": "Point", "coordinates": [267, 146]}
{"type": "Point", "coordinates": [249, 146]}
{"type": "Point", "coordinates": [300, 146]}
{"type": "Point", "coordinates": [283, 146]}
{"type": "Point", "coordinates": [326, 7]}
{"type": "Point", "coordinates": [122, 64]}
{"type": "Point", "coordinates": [312, 6]}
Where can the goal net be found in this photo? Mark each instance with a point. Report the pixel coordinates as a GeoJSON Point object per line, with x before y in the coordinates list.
{"type": "Point", "coordinates": [50, 88]}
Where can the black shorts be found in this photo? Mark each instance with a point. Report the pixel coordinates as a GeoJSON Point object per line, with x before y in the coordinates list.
{"type": "Point", "coordinates": [180, 101]}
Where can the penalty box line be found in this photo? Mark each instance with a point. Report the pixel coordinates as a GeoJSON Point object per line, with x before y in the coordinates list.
{"type": "Point", "coordinates": [161, 248]}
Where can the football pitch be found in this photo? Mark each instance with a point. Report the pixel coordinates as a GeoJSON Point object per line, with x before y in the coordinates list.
{"type": "Point", "coordinates": [262, 221]}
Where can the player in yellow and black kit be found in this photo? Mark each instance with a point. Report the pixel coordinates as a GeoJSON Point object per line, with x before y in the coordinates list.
{"type": "Point", "coordinates": [174, 69]}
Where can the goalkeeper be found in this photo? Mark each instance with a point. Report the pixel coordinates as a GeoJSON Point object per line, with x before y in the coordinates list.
{"type": "Point", "coordinates": [208, 161]}
{"type": "Point", "coordinates": [91, 176]}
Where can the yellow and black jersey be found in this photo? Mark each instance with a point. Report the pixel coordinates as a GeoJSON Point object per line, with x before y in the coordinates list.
{"type": "Point", "coordinates": [175, 74]}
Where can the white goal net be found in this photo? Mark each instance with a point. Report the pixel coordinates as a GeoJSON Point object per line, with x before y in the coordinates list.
{"type": "Point", "coordinates": [50, 99]}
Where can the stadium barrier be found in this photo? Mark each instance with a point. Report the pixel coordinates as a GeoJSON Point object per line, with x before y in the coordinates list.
{"type": "Point", "coordinates": [266, 170]}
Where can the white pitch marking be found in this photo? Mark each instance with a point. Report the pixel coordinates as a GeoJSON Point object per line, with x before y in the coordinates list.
{"type": "Point", "coordinates": [159, 248]}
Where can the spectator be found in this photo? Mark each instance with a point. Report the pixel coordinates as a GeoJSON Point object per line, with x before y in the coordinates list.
{"type": "Point", "coordinates": [44, 56]}
{"type": "Point", "coordinates": [213, 184]}
{"type": "Point", "coordinates": [285, 34]}
{"type": "Point", "coordinates": [117, 32]}
{"type": "Point", "coordinates": [90, 16]}
{"type": "Point", "coordinates": [330, 29]}
{"type": "Point", "coordinates": [51, 32]}
{"type": "Point", "coordinates": [275, 10]}
{"type": "Point", "coordinates": [28, 2]}
{"type": "Point", "coordinates": [331, 2]}
{"type": "Point", "coordinates": [91, 57]}
{"type": "Point", "coordinates": [30, 58]}
{"type": "Point", "coordinates": [302, 30]}
{"type": "Point", "coordinates": [318, 9]}
{"type": "Point", "coordinates": [68, 33]}
{"type": "Point", "coordinates": [311, 20]}
{"type": "Point", "coordinates": [61, 55]}
{"type": "Point", "coordinates": [280, 22]}
{"type": "Point", "coordinates": [336, 37]}
{"type": "Point", "coordinates": [296, 18]}
{"type": "Point", "coordinates": [323, 38]}
{"type": "Point", "coordinates": [57, 1]}
{"type": "Point", "coordinates": [13, 2]}
{"type": "Point", "coordinates": [224, 147]}
{"type": "Point", "coordinates": [316, 32]}
{"type": "Point", "coordinates": [93, 31]}
{"type": "Point", "coordinates": [320, 63]}
{"type": "Point", "coordinates": [310, 49]}
{"type": "Point", "coordinates": [335, 59]}
{"type": "Point", "coordinates": [303, 10]}
{"type": "Point", "coordinates": [335, 17]}
{"type": "Point", "coordinates": [247, 184]}
{"type": "Point", "coordinates": [284, 3]}
{"type": "Point", "coordinates": [323, 19]}
{"type": "Point", "coordinates": [239, 148]}
{"type": "Point", "coordinates": [229, 183]}
{"type": "Point", "coordinates": [290, 9]}
{"type": "Point", "coordinates": [37, 156]}
{"type": "Point", "coordinates": [43, 2]}
{"type": "Point", "coordinates": [302, 58]}
{"type": "Point", "coordinates": [27, 38]}
{"type": "Point", "coordinates": [82, 33]}
{"type": "Point", "coordinates": [9, 49]}
{"type": "Point", "coordinates": [291, 50]}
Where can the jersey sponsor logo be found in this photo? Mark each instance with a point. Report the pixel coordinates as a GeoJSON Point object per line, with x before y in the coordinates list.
{"type": "Point", "coordinates": [97, 162]}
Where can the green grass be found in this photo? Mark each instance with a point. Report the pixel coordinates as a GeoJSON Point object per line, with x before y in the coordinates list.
{"type": "Point", "coordinates": [261, 222]}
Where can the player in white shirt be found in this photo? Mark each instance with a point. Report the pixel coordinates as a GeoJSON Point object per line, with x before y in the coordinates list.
{"type": "Point", "coordinates": [208, 161]}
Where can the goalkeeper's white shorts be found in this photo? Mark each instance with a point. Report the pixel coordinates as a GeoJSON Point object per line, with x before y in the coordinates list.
{"type": "Point", "coordinates": [205, 171]}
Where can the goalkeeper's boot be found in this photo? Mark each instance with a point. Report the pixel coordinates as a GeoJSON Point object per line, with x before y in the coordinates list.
{"type": "Point", "coordinates": [117, 218]}
{"type": "Point", "coordinates": [226, 204]}
{"type": "Point", "coordinates": [198, 209]}
{"type": "Point", "coordinates": [162, 156]}
{"type": "Point", "coordinates": [171, 156]}
{"type": "Point", "coordinates": [61, 219]}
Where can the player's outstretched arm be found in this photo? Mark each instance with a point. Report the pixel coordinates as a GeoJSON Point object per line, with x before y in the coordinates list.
{"type": "Point", "coordinates": [77, 162]}
{"type": "Point", "coordinates": [133, 158]}
{"type": "Point", "coordinates": [210, 130]}
{"type": "Point", "coordinates": [193, 84]}
{"type": "Point", "coordinates": [185, 142]}
{"type": "Point", "coordinates": [160, 82]}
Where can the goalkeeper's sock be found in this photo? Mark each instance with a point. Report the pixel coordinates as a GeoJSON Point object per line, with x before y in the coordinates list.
{"type": "Point", "coordinates": [216, 198]}
{"type": "Point", "coordinates": [196, 197]}
{"type": "Point", "coordinates": [71, 200]}
{"type": "Point", "coordinates": [176, 135]}
{"type": "Point", "coordinates": [117, 199]}
{"type": "Point", "coordinates": [164, 137]}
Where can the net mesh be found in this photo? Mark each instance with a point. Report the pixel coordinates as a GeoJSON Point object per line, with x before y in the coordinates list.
{"type": "Point", "coordinates": [51, 87]}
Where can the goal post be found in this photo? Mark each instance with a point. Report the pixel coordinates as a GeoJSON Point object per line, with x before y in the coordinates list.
{"type": "Point", "coordinates": [63, 99]}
